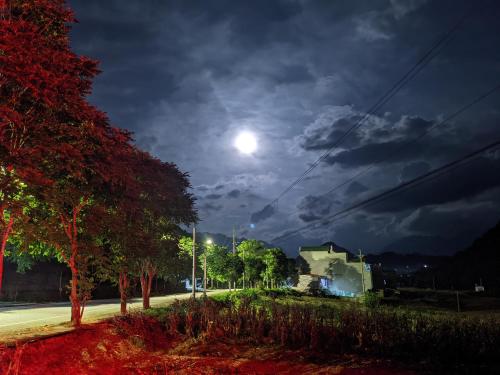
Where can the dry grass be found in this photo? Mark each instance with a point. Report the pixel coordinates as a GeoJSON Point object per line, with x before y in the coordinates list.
{"type": "Point", "coordinates": [446, 342]}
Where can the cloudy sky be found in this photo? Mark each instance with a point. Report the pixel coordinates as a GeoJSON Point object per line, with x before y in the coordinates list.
{"type": "Point", "coordinates": [188, 76]}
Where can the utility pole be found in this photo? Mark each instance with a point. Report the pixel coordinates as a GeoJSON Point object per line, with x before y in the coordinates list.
{"type": "Point", "coordinates": [205, 274]}
{"type": "Point", "coordinates": [234, 252]}
{"type": "Point", "coordinates": [234, 240]}
{"type": "Point", "coordinates": [208, 242]}
{"type": "Point", "coordinates": [193, 285]}
{"type": "Point", "coordinates": [362, 271]}
{"type": "Point", "coordinates": [243, 268]}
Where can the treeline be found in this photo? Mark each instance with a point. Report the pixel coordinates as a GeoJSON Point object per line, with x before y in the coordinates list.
{"type": "Point", "coordinates": [72, 185]}
{"type": "Point", "coordinates": [251, 265]}
{"type": "Point", "coordinates": [478, 264]}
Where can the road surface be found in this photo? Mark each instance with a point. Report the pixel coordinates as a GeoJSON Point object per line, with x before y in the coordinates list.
{"type": "Point", "coordinates": [20, 321]}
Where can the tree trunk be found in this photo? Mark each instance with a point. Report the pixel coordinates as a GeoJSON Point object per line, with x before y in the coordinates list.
{"type": "Point", "coordinates": [76, 314]}
{"type": "Point", "coordinates": [151, 274]}
{"type": "Point", "coordinates": [123, 285]}
{"type": "Point", "coordinates": [5, 237]}
{"type": "Point", "coordinates": [145, 295]}
{"type": "Point", "coordinates": [71, 230]}
{"type": "Point", "coordinates": [146, 280]}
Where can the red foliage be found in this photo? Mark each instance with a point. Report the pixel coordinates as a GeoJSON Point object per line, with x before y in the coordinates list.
{"type": "Point", "coordinates": [71, 159]}
{"type": "Point", "coordinates": [42, 85]}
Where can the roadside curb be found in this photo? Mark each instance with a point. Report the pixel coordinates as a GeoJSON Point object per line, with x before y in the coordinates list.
{"type": "Point", "coordinates": [16, 304]}
{"type": "Point", "coordinates": [31, 340]}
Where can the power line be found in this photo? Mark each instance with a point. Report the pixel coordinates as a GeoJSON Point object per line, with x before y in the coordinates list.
{"type": "Point", "coordinates": [395, 88]}
{"type": "Point", "coordinates": [410, 141]}
{"type": "Point", "coordinates": [429, 176]}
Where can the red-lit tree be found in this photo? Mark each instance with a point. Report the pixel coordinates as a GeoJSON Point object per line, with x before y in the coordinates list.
{"type": "Point", "coordinates": [145, 219]}
{"type": "Point", "coordinates": [39, 78]}
{"type": "Point", "coordinates": [85, 172]}
{"type": "Point", "coordinates": [167, 204]}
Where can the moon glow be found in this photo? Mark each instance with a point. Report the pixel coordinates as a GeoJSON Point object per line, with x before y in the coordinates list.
{"type": "Point", "coordinates": [246, 143]}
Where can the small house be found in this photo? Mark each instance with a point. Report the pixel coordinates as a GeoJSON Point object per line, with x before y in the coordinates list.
{"type": "Point", "coordinates": [333, 270]}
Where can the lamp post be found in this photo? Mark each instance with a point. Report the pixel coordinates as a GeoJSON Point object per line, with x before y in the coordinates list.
{"type": "Point", "coordinates": [193, 293]}
{"type": "Point", "coordinates": [208, 242]}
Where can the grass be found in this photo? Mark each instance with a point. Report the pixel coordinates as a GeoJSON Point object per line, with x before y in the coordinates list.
{"type": "Point", "coordinates": [275, 331]}
{"type": "Point", "coordinates": [327, 325]}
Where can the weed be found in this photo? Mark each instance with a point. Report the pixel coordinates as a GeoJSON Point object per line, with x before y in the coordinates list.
{"type": "Point", "coordinates": [343, 329]}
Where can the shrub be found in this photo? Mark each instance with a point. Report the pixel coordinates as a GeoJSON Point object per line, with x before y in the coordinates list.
{"type": "Point", "coordinates": [142, 330]}
{"type": "Point", "coordinates": [449, 342]}
{"type": "Point", "coordinates": [371, 299]}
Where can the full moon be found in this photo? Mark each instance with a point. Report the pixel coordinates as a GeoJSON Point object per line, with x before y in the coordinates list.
{"type": "Point", "coordinates": [246, 143]}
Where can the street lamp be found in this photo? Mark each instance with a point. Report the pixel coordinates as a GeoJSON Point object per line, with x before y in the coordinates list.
{"type": "Point", "coordinates": [208, 242]}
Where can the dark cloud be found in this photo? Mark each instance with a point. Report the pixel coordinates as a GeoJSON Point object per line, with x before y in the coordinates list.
{"type": "Point", "coordinates": [187, 76]}
{"type": "Point", "coordinates": [263, 214]}
{"type": "Point", "coordinates": [314, 208]}
{"type": "Point", "coordinates": [465, 182]}
{"type": "Point", "coordinates": [414, 169]}
{"type": "Point", "coordinates": [147, 142]}
{"type": "Point", "coordinates": [456, 221]}
{"type": "Point", "coordinates": [393, 143]}
{"type": "Point", "coordinates": [211, 207]}
{"type": "Point", "coordinates": [355, 188]}
{"type": "Point", "coordinates": [411, 126]}
{"type": "Point", "coordinates": [234, 193]}
{"type": "Point", "coordinates": [374, 152]}
{"type": "Point", "coordinates": [402, 7]}
{"type": "Point", "coordinates": [330, 131]}
{"type": "Point", "coordinates": [213, 196]}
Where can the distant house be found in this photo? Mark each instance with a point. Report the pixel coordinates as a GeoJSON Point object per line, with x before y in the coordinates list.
{"type": "Point", "coordinates": [334, 271]}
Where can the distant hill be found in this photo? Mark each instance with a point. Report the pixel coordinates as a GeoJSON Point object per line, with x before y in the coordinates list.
{"type": "Point", "coordinates": [395, 261]}
{"type": "Point", "coordinates": [479, 261]}
{"type": "Point", "coordinates": [336, 247]}
{"type": "Point", "coordinates": [428, 245]}
{"type": "Point", "coordinates": [404, 263]}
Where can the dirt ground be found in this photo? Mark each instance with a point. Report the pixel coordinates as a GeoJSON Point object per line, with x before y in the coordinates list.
{"type": "Point", "coordinates": [106, 348]}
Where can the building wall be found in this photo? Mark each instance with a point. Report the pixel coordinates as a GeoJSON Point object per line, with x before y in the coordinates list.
{"type": "Point", "coordinates": [340, 276]}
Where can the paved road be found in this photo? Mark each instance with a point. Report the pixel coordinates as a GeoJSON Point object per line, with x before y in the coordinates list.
{"type": "Point", "coordinates": [17, 320]}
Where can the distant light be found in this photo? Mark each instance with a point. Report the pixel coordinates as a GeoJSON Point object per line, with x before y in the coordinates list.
{"type": "Point", "coordinates": [252, 225]}
{"type": "Point", "coordinates": [425, 265]}
{"type": "Point", "coordinates": [209, 241]}
{"type": "Point", "coordinates": [246, 143]}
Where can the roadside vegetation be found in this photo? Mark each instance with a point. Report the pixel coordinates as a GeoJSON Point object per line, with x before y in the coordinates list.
{"type": "Point", "coordinates": [271, 331]}
{"type": "Point", "coordinates": [332, 326]}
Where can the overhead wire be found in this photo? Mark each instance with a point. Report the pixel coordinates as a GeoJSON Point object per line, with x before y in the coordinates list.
{"type": "Point", "coordinates": [405, 144]}
{"type": "Point", "coordinates": [435, 173]}
{"type": "Point", "coordinates": [435, 49]}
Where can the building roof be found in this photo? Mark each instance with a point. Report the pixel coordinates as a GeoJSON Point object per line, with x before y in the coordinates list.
{"type": "Point", "coordinates": [350, 257]}
{"type": "Point", "coordinates": [314, 248]}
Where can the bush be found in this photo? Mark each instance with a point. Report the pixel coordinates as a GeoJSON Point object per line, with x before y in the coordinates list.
{"type": "Point", "coordinates": [445, 341]}
{"type": "Point", "coordinates": [281, 292]}
{"type": "Point", "coordinates": [371, 299]}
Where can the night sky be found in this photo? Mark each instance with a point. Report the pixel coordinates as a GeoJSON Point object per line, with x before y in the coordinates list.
{"type": "Point", "coordinates": [188, 76]}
